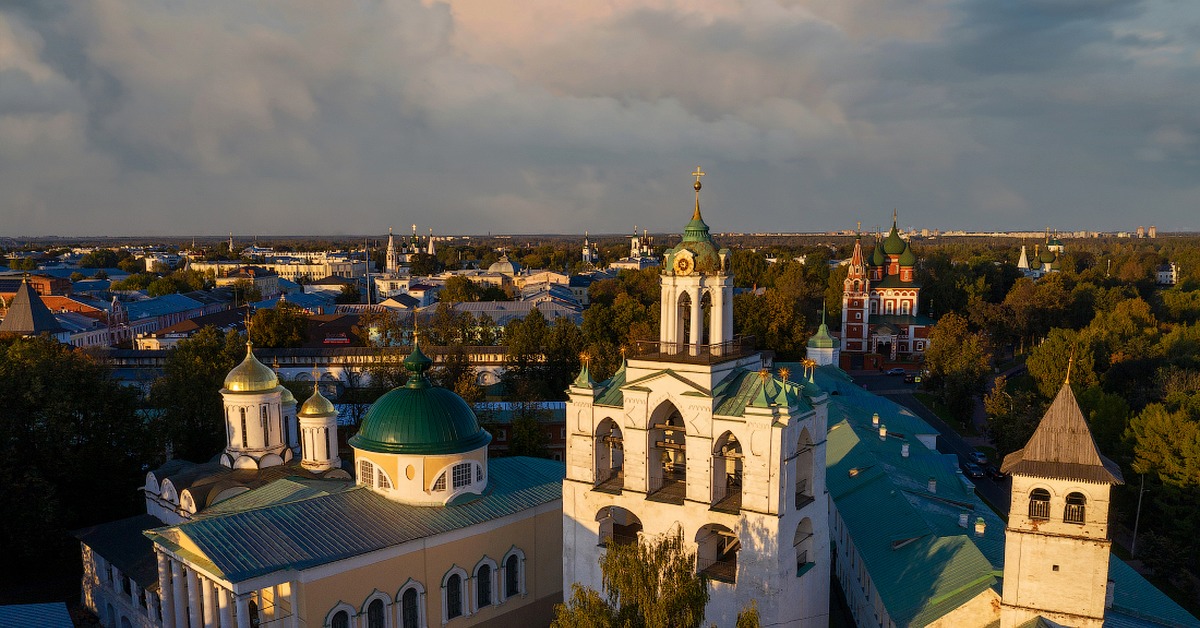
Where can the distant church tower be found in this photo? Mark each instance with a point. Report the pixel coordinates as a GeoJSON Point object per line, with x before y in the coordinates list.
{"type": "Point", "coordinates": [693, 436]}
{"type": "Point", "coordinates": [856, 296]}
{"type": "Point", "coordinates": [392, 261]}
{"type": "Point", "coordinates": [1057, 545]}
{"type": "Point", "coordinates": [590, 253]}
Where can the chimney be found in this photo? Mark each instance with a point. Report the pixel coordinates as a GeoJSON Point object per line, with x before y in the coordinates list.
{"type": "Point", "coordinates": [875, 420]}
{"type": "Point", "coordinates": [980, 526]}
{"type": "Point", "coordinates": [904, 450]}
{"type": "Point", "coordinates": [1109, 593]}
{"type": "Point", "coordinates": [882, 432]}
{"type": "Point", "coordinates": [962, 519]}
{"type": "Point", "coordinates": [933, 485]}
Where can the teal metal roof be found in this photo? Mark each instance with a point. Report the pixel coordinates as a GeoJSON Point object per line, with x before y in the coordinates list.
{"type": "Point", "coordinates": [608, 393]}
{"type": "Point", "coordinates": [48, 615]}
{"type": "Point", "coordinates": [335, 526]}
{"type": "Point", "coordinates": [921, 561]}
{"type": "Point", "coordinates": [1136, 602]}
{"type": "Point", "coordinates": [745, 388]}
{"type": "Point", "coordinates": [420, 418]}
{"type": "Point", "coordinates": [291, 489]}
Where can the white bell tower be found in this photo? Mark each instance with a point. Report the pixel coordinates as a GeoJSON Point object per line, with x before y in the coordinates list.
{"type": "Point", "coordinates": [697, 291]}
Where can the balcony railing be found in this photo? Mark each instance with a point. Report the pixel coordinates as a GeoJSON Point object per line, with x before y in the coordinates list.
{"type": "Point", "coordinates": [740, 346]}
{"type": "Point", "coordinates": [611, 481]}
{"type": "Point", "coordinates": [1074, 513]}
{"type": "Point", "coordinates": [1039, 509]}
{"type": "Point", "coordinates": [803, 498]}
{"type": "Point", "coordinates": [719, 569]}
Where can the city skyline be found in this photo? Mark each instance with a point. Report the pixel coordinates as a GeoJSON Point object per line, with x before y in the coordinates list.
{"type": "Point", "coordinates": [133, 118]}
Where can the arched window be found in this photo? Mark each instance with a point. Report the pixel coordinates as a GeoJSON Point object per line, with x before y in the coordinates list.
{"type": "Point", "coordinates": [483, 586]}
{"type": "Point", "coordinates": [255, 620]}
{"type": "Point", "coordinates": [804, 470]}
{"type": "Point", "coordinates": [512, 576]}
{"type": "Point", "coordinates": [727, 474]}
{"type": "Point", "coordinates": [410, 616]}
{"type": "Point", "coordinates": [440, 483]}
{"type": "Point", "coordinates": [341, 619]}
{"type": "Point", "coordinates": [384, 482]}
{"type": "Point", "coordinates": [610, 457]}
{"type": "Point", "coordinates": [462, 475]}
{"type": "Point", "coordinates": [1039, 504]}
{"type": "Point", "coordinates": [245, 437]}
{"type": "Point", "coordinates": [1074, 512]}
{"type": "Point", "coordinates": [454, 597]}
{"type": "Point", "coordinates": [375, 614]}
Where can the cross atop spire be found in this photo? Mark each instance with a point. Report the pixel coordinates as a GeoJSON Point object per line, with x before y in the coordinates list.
{"type": "Point", "coordinates": [893, 218]}
{"type": "Point", "coordinates": [698, 173]}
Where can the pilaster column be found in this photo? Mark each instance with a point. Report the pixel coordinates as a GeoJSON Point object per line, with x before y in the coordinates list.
{"type": "Point", "coordinates": [697, 322]}
{"type": "Point", "coordinates": [179, 593]}
{"type": "Point", "coordinates": [243, 610]}
{"type": "Point", "coordinates": [165, 599]}
{"type": "Point", "coordinates": [716, 330]}
{"type": "Point", "coordinates": [195, 618]}
{"type": "Point", "coordinates": [225, 608]}
{"type": "Point", "coordinates": [294, 602]}
{"type": "Point", "coordinates": [209, 602]}
{"type": "Point", "coordinates": [665, 313]}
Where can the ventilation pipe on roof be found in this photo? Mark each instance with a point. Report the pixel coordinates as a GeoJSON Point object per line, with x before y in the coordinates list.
{"type": "Point", "coordinates": [875, 420]}
{"type": "Point", "coordinates": [933, 485]}
{"type": "Point", "coordinates": [1109, 593]}
{"type": "Point", "coordinates": [904, 450]}
{"type": "Point", "coordinates": [882, 432]}
{"type": "Point", "coordinates": [980, 526]}
{"type": "Point", "coordinates": [962, 519]}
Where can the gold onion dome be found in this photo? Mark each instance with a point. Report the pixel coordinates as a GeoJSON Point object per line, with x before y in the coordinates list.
{"type": "Point", "coordinates": [285, 395]}
{"type": "Point", "coordinates": [251, 375]}
{"type": "Point", "coordinates": [317, 405]}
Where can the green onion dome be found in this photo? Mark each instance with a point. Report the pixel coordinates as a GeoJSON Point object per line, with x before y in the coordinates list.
{"type": "Point", "coordinates": [420, 418]}
{"type": "Point", "coordinates": [1046, 256]}
{"type": "Point", "coordinates": [317, 405]}
{"type": "Point", "coordinates": [877, 256]}
{"type": "Point", "coordinates": [251, 376]}
{"type": "Point", "coordinates": [908, 258]}
{"type": "Point", "coordinates": [893, 244]}
{"type": "Point", "coordinates": [822, 339]}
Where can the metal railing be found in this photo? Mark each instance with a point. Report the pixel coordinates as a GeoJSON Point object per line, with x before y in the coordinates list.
{"type": "Point", "coordinates": [1074, 513]}
{"type": "Point", "coordinates": [719, 569]}
{"type": "Point", "coordinates": [1039, 509]}
{"type": "Point", "coordinates": [803, 498]}
{"type": "Point", "coordinates": [740, 346]}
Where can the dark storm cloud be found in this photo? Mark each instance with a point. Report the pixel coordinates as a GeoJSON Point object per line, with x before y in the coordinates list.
{"type": "Point", "coordinates": [483, 115]}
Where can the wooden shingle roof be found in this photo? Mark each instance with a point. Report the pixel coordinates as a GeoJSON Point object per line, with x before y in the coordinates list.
{"type": "Point", "coordinates": [28, 315]}
{"type": "Point", "coordinates": [1062, 447]}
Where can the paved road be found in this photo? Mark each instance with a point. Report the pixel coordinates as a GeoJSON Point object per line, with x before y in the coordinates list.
{"type": "Point", "coordinates": [997, 493]}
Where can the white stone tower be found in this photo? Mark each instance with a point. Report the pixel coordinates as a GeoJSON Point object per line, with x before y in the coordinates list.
{"type": "Point", "coordinates": [254, 425]}
{"type": "Point", "coordinates": [693, 436]}
{"type": "Point", "coordinates": [392, 263]}
{"type": "Point", "coordinates": [318, 432]}
{"type": "Point", "coordinates": [1057, 546]}
{"type": "Point", "coordinates": [697, 291]}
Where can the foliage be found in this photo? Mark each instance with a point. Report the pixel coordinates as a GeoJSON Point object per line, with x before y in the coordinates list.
{"type": "Point", "coordinates": [748, 617]}
{"type": "Point", "coordinates": [103, 258]}
{"type": "Point", "coordinates": [245, 291]}
{"type": "Point", "coordinates": [187, 395]}
{"type": "Point", "coordinates": [137, 281]}
{"type": "Point", "coordinates": [528, 431]}
{"type": "Point", "coordinates": [1012, 416]}
{"type": "Point", "coordinates": [1048, 362]}
{"type": "Point", "coordinates": [650, 584]}
{"type": "Point", "coordinates": [542, 358]}
{"type": "Point", "coordinates": [285, 325]}
{"type": "Point", "coordinates": [350, 294]}
{"type": "Point", "coordinates": [23, 263]}
{"type": "Point", "coordinates": [957, 360]}
{"type": "Point", "coordinates": [386, 328]}
{"type": "Point", "coordinates": [74, 444]}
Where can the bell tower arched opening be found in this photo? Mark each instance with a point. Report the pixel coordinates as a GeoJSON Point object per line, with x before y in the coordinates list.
{"type": "Point", "coordinates": [727, 463]}
{"type": "Point", "coordinates": [667, 466]}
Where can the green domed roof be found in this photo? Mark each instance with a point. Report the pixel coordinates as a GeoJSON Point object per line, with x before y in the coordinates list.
{"type": "Point", "coordinates": [317, 405]}
{"type": "Point", "coordinates": [251, 376]}
{"type": "Point", "coordinates": [706, 258]}
{"type": "Point", "coordinates": [420, 418]}
{"type": "Point", "coordinates": [893, 244]}
{"type": "Point", "coordinates": [908, 258]}
{"type": "Point", "coordinates": [877, 257]}
{"type": "Point", "coordinates": [822, 339]}
{"type": "Point", "coordinates": [1046, 256]}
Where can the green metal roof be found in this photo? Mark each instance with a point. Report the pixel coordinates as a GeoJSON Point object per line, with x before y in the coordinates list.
{"type": "Point", "coordinates": [746, 388]}
{"type": "Point", "coordinates": [290, 489]}
{"type": "Point", "coordinates": [1136, 602]}
{"type": "Point", "coordinates": [893, 244]}
{"type": "Point", "coordinates": [609, 392]}
{"type": "Point", "coordinates": [336, 526]}
{"type": "Point", "coordinates": [420, 418]}
{"type": "Point", "coordinates": [908, 258]}
{"type": "Point", "coordinates": [877, 256]}
{"type": "Point", "coordinates": [822, 339]}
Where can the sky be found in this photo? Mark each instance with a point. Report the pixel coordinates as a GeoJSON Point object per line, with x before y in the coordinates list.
{"type": "Point", "coordinates": [167, 117]}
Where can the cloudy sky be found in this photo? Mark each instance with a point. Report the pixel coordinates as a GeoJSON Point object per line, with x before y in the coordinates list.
{"type": "Point", "coordinates": [468, 116]}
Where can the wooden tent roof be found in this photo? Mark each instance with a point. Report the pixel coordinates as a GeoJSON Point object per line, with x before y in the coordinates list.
{"type": "Point", "coordinates": [1062, 447]}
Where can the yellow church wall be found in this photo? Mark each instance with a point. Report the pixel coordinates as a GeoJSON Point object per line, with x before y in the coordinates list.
{"type": "Point", "coordinates": [538, 536]}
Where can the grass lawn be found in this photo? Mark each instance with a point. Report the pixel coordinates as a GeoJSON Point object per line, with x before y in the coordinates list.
{"type": "Point", "coordinates": [964, 428]}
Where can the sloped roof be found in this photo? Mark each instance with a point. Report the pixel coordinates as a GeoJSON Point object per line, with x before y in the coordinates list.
{"type": "Point", "coordinates": [1062, 447]}
{"type": "Point", "coordinates": [1137, 602]}
{"type": "Point", "coordinates": [28, 315]}
{"type": "Point", "coordinates": [122, 543]}
{"type": "Point", "coordinates": [47, 615]}
{"type": "Point", "coordinates": [331, 527]}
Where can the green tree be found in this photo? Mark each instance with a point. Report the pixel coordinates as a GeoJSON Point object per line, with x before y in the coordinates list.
{"type": "Point", "coordinates": [187, 395]}
{"type": "Point", "coordinates": [1048, 362]}
{"type": "Point", "coordinates": [73, 446]}
{"type": "Point", "coordinates": [245, 291]}
{"type": "Point", "coordinates": [957, 360]}
{"type": "Point", "coordinates": [459, 289]}
{"type": "Point", "coordinates": [101, 258]}
{"type": "Point", "coordinates": [285, 325]}
{"type": "Point", "coordinates": [528, 431]}
{"type": "Point", "coordinates": [350, 294]}
{"type": "Point", "coordinates": [1012, 416]}
{"type": "Point", "coordinates": [650, 584]}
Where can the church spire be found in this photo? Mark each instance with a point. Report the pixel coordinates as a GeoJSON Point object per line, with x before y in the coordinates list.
{"type": "Point", "coordinates": [698, 173]}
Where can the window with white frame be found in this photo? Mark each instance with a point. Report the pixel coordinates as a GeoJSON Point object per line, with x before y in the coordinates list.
{"type": "Point", "coordinates": [483, 586]}
{"type": "Point", "coordinates": [454, 587]}
{"type": "Point", "coordinates": [514, 573]}
{"type": "Point", "coordinates": [366, 473]}
{"type": "Point", "coordinates": [479, 473]}
{"type": "Point", "coordinates": [461, 475]}
{"type": "Point", "coordinates": [440, 483]}
{"type": "Point", "coordinates": [412, 604]}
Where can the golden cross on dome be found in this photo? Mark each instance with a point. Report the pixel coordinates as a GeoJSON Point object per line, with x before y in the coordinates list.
{"type": "Point", "coordinates": [698, 173]}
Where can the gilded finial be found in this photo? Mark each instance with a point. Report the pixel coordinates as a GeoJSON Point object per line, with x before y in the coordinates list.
{"type": "Point", "coordinates": [1070, 363]}
{"type": "Point", "coordinates": [698, 173]}
{"type": "Point", "coordinates": [764, 374]}
{"type": "Point", "coordinates": [784, 373]}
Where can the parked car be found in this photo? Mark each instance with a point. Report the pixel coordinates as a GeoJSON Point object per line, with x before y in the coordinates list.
{"type": "Point", "coordinates": [895, 371]}
{"type": "Point", "coordinates": [993, 472]}
{"type": "Point", "coordinates": [972, 470]}
{"type": "Point", "coordinates": [978, 457]}
{"type": "Point", "coordinates": [909, 378]}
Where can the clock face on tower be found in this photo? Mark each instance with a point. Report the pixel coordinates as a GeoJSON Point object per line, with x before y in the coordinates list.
{"type": "Point", "coordinates": [683, 265]}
